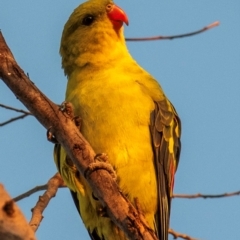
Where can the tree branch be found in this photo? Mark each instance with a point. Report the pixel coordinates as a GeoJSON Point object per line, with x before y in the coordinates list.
{"type": "Point", "coordinates": [13, 119]}
{"type": "Point", "coordinates": [175, 195]}
{"type": "Point", "coordinates": [14, 109]}
{"type": "Point", "coordinates": [13, 224]}
{"type": "Point", "coordinates": [36, 189]}
{"type": "Point", "coordinates": [52, 186]}
{"type": "Point", "coordinates": [25, 114]}
{"type": "Point", "coordinates": [212, 25]}
{"type": "Point", "coordinates": [180, 235]}
{"type": "Point", "coordinates": [119, 209]}
{"type": "Point", "coordinates": [199, 195]}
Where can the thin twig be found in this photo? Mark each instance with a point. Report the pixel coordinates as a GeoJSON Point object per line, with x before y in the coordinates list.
{"type": "Point", "coordinates": [34, 190]}
{"type": "Point", "coordinates": [189, 196]}
{"type": "Point", "coordinates": [25, 114]}
{"type": "Point", "coordinates": [13, 119]}
{"type": "Point", "coordinates": [199, 195]}
{"type": "Point", "coordinates": [14, 109]}
{"type": "Point", "coordinates": [30, 192]}
{"type": "Point", "coordinates": [212, 25]}
{"type": "Point", "coordinates": [180, 235]}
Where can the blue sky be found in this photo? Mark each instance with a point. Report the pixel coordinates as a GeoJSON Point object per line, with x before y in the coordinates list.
{"type": "Point", "coordinates": [200, 75]}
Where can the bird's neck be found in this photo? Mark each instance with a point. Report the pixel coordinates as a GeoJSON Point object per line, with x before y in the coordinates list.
{"type": "Point", "coordinates": [102, 55]}
{"type": "Point", "coordinates": [103, 50]}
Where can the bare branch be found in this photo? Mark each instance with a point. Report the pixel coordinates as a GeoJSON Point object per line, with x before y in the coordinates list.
{"type": "Point", "coordinates": [180, 235]}
{"type": "Point", "coordinates": [212, 25]}
{"type": "Point", "coordinates": [25, 114]}
{"type": "Point", "coordinates": [14, 109]}
{"type": "Point", "coordinates": [13, 119]}
{"type": "Point", "coordinates": [119, 209]}
{"type": "Point", "coordinates": [30, 192]}
{"type": "Point", "coordinates": [190, 196]}
{"type": "Point", "coordinates": [13, 224]}
{"type": "Point", "coordinates": [52, 186]}
{"type": "Point", "coordinates": [34, 190]}
{"type": "Point", "coordinates": [199, 195]}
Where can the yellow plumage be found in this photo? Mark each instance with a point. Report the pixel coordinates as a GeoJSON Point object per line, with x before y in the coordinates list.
{"type": "Point", "coordinates": [120, 105]}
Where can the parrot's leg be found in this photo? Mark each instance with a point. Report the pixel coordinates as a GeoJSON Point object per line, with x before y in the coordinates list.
{"type": "Point", "coordinates": [101, 157]}
{"type": "Point", "coordinates": [51, 137]}
{"type": "Point", "coordinates": [78, 122]}
{"type": "Point", "coordinates": [102, 211]}
{"type": "Point", "coordinates": [101, 162]}
{"type": "Point", "coordinates": [67, 108]}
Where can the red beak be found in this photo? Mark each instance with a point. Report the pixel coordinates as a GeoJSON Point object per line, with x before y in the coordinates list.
{"type": "Point", "coordinates": [117, 16]}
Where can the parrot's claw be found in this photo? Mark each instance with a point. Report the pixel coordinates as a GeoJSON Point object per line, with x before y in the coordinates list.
{"type": "Point", "coordinates": [78, 122]}
{"type": "Point", "coordinates": [67, 108]}
{"type": "Point", "coordinates": [100, 163]}
{"type": "Point", "coordinates": [102, 212]}
{"type": "Point", "coordinates": [101, 157]}
{"type": "Point", "coordinates": [94, 197]}
{"type": "Point", "coordinates": [51, 137]}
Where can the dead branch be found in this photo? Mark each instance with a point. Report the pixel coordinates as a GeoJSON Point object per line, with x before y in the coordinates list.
{"type": "Point", "coordinates": [199, 195]}
{"type": "Point", "coordinates": [36, 189]}
{"type": "Point", "coordinates": [56, 182]}
{"type": "Point", "coordinates": [30, 192]}
{"type": "Point", "coordinates": [25, 114]}
{"type": "Point", "coordinates": [212, 25]}
{"type": "Point", "coordinates": [13, 224]}
{"type": "Point", "coordinates": [180, 235]}
{"type": "Point", "coordinates": [119, 209]}
{"type": "Point", "coordinates": [13, 119]}
{"type": "Point", "coordinates": [175, 195]}
{"type": "Point", "coordinates": [52, 186]}
{"type": "Point", "coordinates": [14, 109]}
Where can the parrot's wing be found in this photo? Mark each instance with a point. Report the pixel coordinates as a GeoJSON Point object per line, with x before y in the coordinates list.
{"type": "Point", "coordinates": [93, 235]}
{"type": "Point", "coordinates": [58, 158]}
{"type": "Point", "coordinates": [165, 128]}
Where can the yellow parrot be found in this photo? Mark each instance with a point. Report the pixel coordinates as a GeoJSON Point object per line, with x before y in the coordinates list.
{"type": "Point", "coordinates": [124, 113]}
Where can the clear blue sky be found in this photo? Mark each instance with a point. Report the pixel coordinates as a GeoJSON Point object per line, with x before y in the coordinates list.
{"type": "Point", "coordinates": [200, 75]}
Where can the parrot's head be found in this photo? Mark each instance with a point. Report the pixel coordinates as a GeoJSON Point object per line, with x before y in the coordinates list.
{"type": "Point", "coordinates": [93, 34]}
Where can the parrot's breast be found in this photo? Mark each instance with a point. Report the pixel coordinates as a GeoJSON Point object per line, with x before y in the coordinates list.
{"type": "Point", "coordinates": [115, 114]}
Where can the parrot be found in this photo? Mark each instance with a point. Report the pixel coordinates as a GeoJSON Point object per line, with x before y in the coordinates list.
{"type": "Point", "coordinates": [124, 113]}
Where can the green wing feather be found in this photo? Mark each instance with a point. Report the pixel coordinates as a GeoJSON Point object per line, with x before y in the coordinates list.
{"type": "Point", "coordinates": [57, 158]}
{"type": "Point", "coordinates": [165, 127]}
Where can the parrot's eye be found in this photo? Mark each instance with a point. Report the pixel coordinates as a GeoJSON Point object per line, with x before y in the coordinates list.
{"type": "Point", "coordinates": [88, 20]}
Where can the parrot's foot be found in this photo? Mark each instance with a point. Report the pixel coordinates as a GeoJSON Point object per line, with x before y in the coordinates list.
{"type": "Point", "coordinates": [102, 212]}
{"type": "Point", "coordinates": [101, 157]}
{"type": "Point", "coordinates": [51, 137]}
{"type": "Point", "coordinates": [67, 108]}
{"type": "Point", "coordinates": [78, 121]}
{"type": "Point", "coordinates": [101, 162]}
